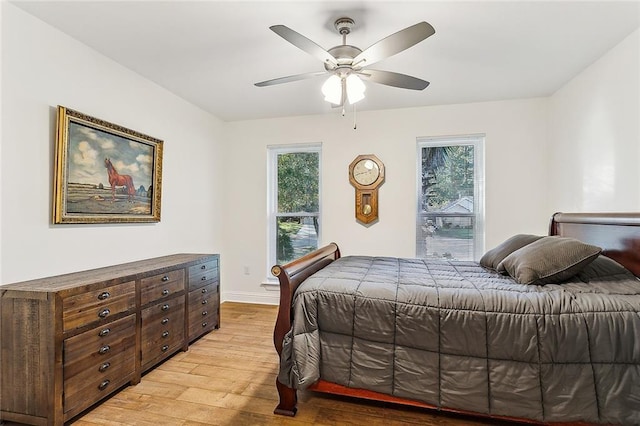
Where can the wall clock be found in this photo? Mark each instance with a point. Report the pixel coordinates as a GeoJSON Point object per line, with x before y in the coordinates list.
{"type": "Point", "coordinates": [366, 174]}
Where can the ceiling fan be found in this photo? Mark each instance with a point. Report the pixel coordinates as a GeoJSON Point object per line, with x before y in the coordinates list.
{"type": "Point", "coordinates": [347, 65]}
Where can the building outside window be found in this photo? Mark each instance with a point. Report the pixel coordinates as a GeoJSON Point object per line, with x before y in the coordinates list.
{"type": "Point", "coordinates": [294, 201]}
{"type": "Point", "coordinates": [450, 219]}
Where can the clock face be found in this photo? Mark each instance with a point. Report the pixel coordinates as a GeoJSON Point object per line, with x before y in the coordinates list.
{"type": "Point", "coordinates": [366, 171]}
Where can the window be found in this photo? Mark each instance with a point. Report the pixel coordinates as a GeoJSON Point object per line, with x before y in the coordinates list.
{"type": "Point", "coordinates": [450, 186]}
{"type": "Point", "coordinates": [294, 202]}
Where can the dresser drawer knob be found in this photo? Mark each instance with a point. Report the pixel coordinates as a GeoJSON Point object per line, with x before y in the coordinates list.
{"type": "Point", "coordinates": [165, 292]}
{"type": "Point", "coordinates": [164, 320]}
{"type": "Point", "coordinates": [103, 350]}
{"type": "Point", "coordinates": [165, 348]}
{"type": "Point", "coordinates": [204, 290]}
{"type": "Point", "coordinates": [104, 332]}
{"type": "Point", "coordinates": [104, 295]}
{"type": "Point", "coordinates": [203, 267]}
{"type": "Point", "coordinates": [165, 278]}
{"type": "Point", "coordinates": [103, 385]}
{"type": "Point", "coordinates": [104, 367]}
{"type": "Point", "coordinates": [165, 334]}
{"type": "Point", "coordinates": [104, 313]}
{"type": "Point", "coordinates": [203, 279]}
{"type": "Point", "coordinates": [204, 324]}
{"type": "Point", "coordinates": [204, 302]}
{"type": "Point", "coordinates": [204, 313]}
{"type": "Point", "coordinates": [165, 307]}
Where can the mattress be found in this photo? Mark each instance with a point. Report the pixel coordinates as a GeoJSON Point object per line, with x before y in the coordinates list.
{"type": "Point", "coordinates": [454, 334]}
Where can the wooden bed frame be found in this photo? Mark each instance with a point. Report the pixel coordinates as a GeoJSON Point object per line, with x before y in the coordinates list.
{"type": "Point", "coordinates": [617, 233]}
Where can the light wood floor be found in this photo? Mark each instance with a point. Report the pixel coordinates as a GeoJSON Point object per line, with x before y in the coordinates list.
{"type": "Point", "coordinates": [227, 378]}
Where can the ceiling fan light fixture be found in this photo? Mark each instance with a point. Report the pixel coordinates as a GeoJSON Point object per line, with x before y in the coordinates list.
{"type": "Point", "coordinates": [355, 89]}
{"type": "Point", "coordinates": [332, 90]}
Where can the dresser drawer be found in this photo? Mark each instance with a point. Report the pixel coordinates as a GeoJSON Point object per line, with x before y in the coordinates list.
{"type": "Point", "coordinates": [116, 359]}
{"type": "Point", "coordinates": [155, 321]}
{"type": "Point", "coordinates": [93, 347]}
{"type": "Point", "coordinates": [97, 305]}
{"type": "Point", "coordinates": [203, 274]}
{"type": "Point", "coordinates": [84, 390]}
{"type": "Point", "coordinates": [162, 331]}
{"type": "Point", "coordinates": [203, 310]}
{"type": "Point", "coordinates": [200, 324]}
{"type": "Point", "coordinates": [156, 353]}
{"type": "Point", "coordinates": [164, 309]}
{"type": "Point", "coordinates": [203, 297]}
{"type": "Point", "coordinates": [98, 362]}
{"type": "Point", "coordinates": [169, 335]}
{"type": "Point", "coordinates": [161, 286]}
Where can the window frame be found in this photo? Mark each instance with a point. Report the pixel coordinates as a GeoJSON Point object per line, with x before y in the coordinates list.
{"type": "Point", "coordinates": [272, 197]}
{"type": "Point", "coordinates": [478, 143]}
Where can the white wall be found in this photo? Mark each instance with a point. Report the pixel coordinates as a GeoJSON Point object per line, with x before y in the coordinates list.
{"type": "Point", "coordinates": [575, 151]}
{"type": "Point", "coordinates": [1, 107]}
{"type": "Point", "coordinates": [515, 143]}
{"type": "Point", "coordinates": [41, 68]}
{"type": "Point", "coordinates": [594, 138]}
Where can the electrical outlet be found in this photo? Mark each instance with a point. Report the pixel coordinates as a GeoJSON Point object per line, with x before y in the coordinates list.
{"type": "Point", "coordinates": [247, 271]}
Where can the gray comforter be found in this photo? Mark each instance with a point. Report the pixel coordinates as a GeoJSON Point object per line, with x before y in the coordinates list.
{"type": "Point", "coordinates": [456, 335]}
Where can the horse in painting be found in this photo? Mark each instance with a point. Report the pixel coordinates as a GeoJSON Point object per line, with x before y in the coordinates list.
{"type": "Point", "coordinates": [116, 179]}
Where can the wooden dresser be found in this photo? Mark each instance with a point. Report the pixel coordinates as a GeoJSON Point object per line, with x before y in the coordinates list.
{"type": "Point", "coordinates": [71, 340]}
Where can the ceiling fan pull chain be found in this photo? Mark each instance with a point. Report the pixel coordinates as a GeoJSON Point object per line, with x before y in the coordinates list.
{"type": "Point", "coordinates": [355, 124]}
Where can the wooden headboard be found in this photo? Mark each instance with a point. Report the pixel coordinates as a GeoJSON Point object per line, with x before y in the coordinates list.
{"type": "Point", "coordinates": [617, 233]}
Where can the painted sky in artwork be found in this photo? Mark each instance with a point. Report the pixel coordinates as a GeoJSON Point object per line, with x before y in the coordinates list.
{"type": "Point", "coordinates": [89, 147]}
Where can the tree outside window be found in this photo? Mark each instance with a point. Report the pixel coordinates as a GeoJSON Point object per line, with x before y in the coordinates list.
{"type": "Point", "coordinates": [295, 202]}
{"type": "Point", "coordinates": [449, 205]}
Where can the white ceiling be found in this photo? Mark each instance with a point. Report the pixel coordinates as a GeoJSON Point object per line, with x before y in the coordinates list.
{"type": "Point", "coordinates": [212, 52]}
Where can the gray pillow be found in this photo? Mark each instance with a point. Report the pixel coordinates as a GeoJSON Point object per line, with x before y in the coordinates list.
{"type": "Point", "coordinates": [604, 268]}
{"type": "Point", "coordinates": [493, 257]}
{"type": "Point", "coordinates": [549, 260]}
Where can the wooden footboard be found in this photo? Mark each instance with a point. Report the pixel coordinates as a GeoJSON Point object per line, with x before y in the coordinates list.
{"type": "Point", "coordinates": [290, 277]}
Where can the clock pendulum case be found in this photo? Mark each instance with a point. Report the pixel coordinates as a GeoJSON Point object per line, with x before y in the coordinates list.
{"type": "Point", "coordinates": [366, 174]}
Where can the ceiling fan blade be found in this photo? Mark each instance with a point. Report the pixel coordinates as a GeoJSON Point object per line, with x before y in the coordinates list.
{"type": "Point", "coordinates": [395, 43]}
{"type": "Point", "coordinates": [305, 44]}
{"type": "Point", "coordinates": [290, 78]}
{"type": "Point", "coordinates": [394, 79]}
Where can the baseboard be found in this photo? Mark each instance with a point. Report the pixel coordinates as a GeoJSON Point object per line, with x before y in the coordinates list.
{"type": "Point", "coordinates": [247, 297]}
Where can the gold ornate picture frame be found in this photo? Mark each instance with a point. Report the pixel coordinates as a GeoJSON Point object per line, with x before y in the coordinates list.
{"type": "Point", "coordinates": [104, 173]}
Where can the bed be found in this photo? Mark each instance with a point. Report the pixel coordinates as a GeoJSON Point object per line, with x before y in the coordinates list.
{"type": "Point", "coordinates": [468, 338]}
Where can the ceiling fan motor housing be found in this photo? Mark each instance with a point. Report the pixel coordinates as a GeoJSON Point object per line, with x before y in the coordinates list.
{"type": "Point", "coordinates": [344, 54]}
{"type": "Point", "coordinates": [343, 25]}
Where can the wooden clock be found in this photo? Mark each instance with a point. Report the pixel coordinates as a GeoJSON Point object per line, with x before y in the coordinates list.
{"type": "Point", "coordinates": [366, 174]}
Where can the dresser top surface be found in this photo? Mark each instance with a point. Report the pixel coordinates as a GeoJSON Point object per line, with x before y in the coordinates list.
{"type": "Point", "coordinates": [116, 273]}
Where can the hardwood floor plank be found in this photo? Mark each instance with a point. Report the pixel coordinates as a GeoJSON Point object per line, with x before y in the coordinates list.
{"type": "Point", "coordinates": [229, 400]}
{"type": "Point", "coordinates": [212, 383]}
{"type": "Point", "coordinates": [178, 366]}
{"type": "Point", "coordinates": [261, 390]}
{"type": "Point", "coordinates": [332, 417]}
{"type": "Point", "coordinates": [227, 377]}
{"type": "Point", "coordinates": [229, 373]}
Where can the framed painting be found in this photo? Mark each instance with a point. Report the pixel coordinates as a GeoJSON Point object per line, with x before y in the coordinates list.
{"type": "Point", "coordinates": [104, 173]}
